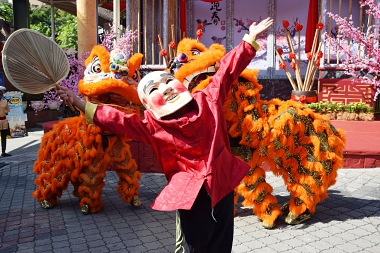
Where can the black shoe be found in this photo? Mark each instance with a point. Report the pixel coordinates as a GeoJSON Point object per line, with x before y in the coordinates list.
{"type": "Point", "coordinates": [5, 155]}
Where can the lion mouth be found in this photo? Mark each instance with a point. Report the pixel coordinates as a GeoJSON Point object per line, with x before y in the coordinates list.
{"type": "Point", "coordinates": [192, 80]}
{"type": "Point", "coordinates": [110, 98]}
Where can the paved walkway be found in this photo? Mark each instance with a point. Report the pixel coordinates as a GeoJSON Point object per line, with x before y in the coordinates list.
{"type": "Point", "coordinates": [348, 221]}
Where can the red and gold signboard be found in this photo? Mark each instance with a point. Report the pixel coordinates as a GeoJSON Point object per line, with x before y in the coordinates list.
{"type": "Point", "coordinates": [345, 90]}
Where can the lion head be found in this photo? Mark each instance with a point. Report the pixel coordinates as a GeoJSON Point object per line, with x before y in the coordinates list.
{"type": "Point", "coordinates": [111, 78]}
{"type": "Point", "coordinates": [195, 63]}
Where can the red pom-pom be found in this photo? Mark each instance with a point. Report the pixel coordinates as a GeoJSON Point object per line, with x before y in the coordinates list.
{"type": "Point", "coordinates": [309, 56]}
{"type": "Point", "coordinates": [163, 52]}
{"type": "Point", "coordinates": [280, 51]}
{"type": "Point", "coordinates": [320, 26]}
{"type": "Point", "coordinates": [292, 56]}
{"type": "Point", "coordinates": [199, 33]}
{"type": "Point", "coordinates": [172, 45]}
{"type": "Point", "coordinates": [299, 27]}
{"type": "Point", "coordinates": [320, 54]}
{"type": "Point", "coordinates": [282, 65]}
{"type": "Point", "coordinates": [293, 65]}
{"type": "Point", "coordinates": [285, 23]}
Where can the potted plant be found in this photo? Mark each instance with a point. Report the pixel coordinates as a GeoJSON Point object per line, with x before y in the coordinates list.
{"type": "Point", "coordinates": [365, 112]}
{"type": "Point", "coordinates": [351, 113]}
{"type": "Point", "coordinates": [52, 100]}
{"type": "Point", "coordinates": [339, 110]}
{"type": "Point", "coordinates": [37, 105]}
{"type": "Point", "coordinates": [370, 115]}
{"type": "Point", "coordinates": [331, 110]}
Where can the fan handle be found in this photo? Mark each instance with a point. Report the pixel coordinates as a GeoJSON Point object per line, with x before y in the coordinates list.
{"type": "Point", "coordinates": [67, 102]}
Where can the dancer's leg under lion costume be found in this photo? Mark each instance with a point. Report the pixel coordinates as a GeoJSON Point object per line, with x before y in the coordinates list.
{"type": "Point", "coordinates": [301, 146]}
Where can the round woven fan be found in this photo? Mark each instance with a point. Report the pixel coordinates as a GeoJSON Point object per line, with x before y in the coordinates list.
{"type": "Point", "coordinates": [32, 62]}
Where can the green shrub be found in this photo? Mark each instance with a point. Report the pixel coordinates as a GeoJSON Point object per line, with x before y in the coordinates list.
{"type": "Point", "coordinates": [325, 106]}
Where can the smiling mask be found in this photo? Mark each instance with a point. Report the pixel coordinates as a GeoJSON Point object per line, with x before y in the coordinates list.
{"type": "Point", "coordinates": [162, 94]}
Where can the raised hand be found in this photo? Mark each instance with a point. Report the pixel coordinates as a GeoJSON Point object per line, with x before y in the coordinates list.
{"type": "Point", "coordinates": [256, 29]}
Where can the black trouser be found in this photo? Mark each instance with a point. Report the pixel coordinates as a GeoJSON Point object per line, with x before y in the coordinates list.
{"type": "Point", "coordinates": [4, 133]}
{"type": "Point", "coordinates": [207, 229]}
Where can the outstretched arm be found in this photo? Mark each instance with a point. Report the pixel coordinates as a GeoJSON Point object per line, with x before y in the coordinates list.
{"type": "Point", "coordinates": [235, 61]}
{"type": "Point", "coordinates": [108, 118]}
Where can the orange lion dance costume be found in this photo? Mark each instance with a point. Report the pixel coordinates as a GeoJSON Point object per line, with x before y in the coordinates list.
{"type": "Point", "coordinates": [76, 152]}
{"type": "Point", "coordinates": [296, 143]}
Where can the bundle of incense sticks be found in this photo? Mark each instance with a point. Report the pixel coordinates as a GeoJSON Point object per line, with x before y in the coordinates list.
{"type": "Point", "coordinates": [314, 59]}
{"type": "Point", "coordinates": [172, 46]}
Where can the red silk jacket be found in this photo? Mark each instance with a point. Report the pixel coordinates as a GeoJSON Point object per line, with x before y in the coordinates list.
{"type": "Point", "coordinates": [194, 149]}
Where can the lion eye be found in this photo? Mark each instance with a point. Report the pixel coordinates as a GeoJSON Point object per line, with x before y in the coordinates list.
{"type": "Point", "coordinates": [95, 65]}
{"type": "Point", "coordinates": [96, 69]}
{"type": "Point", "coordinates": [195, 52]}
{"type": "Point", "coordinates": [136, 76]}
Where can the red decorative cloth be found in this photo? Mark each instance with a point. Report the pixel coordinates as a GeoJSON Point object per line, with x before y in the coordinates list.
{"type": "Point", "coordinates": [304, 99]}
{"type": "Point", "coordinates": [182, 18]}
{"type": "Point", "coordinates": [312, 21]}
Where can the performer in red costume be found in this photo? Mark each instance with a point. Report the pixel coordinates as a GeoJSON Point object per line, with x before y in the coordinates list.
{"type": "Point", "coordinates": [188, 133]}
